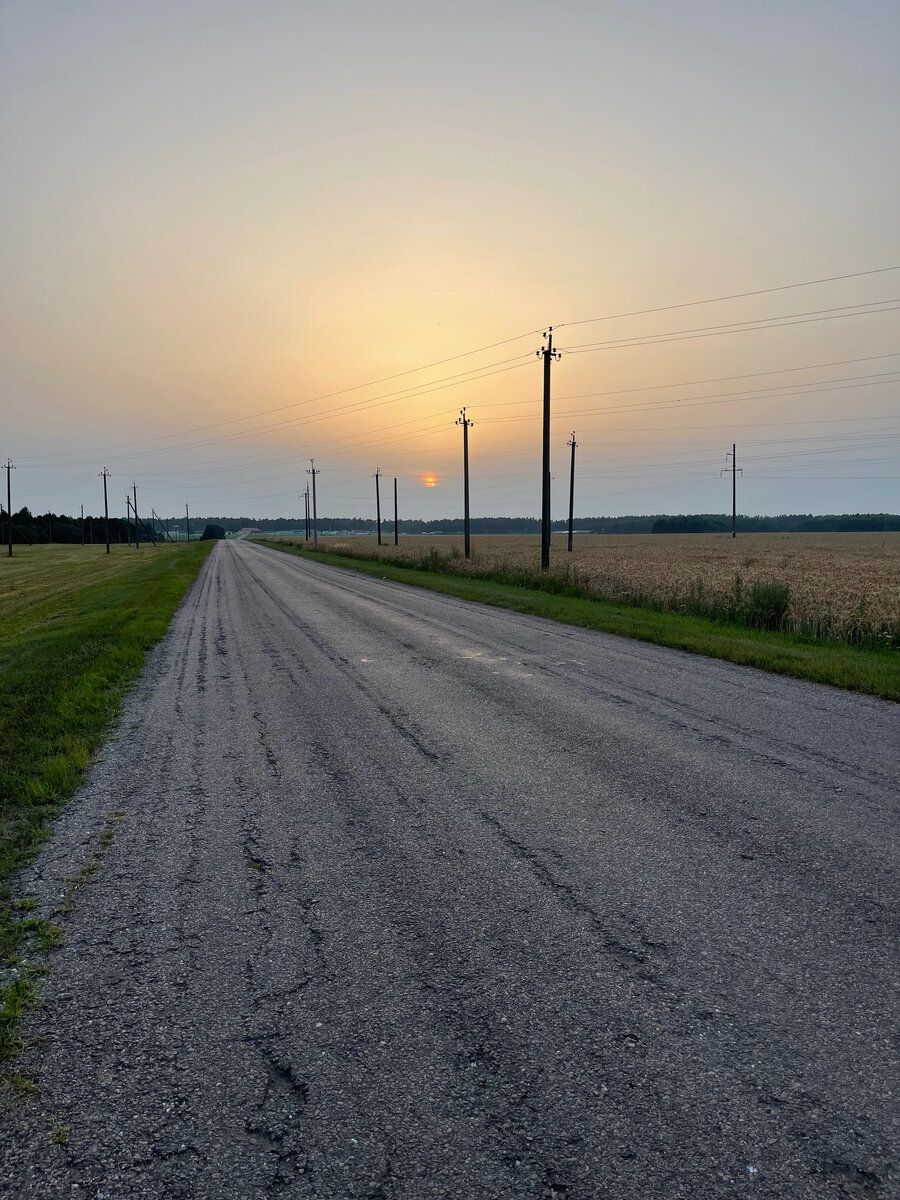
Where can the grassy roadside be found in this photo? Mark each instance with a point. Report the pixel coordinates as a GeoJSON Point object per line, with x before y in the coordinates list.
{"type": "Point", "coordinates": [75, 628]}
{"type": "Point", "coordinates": [876, 672]}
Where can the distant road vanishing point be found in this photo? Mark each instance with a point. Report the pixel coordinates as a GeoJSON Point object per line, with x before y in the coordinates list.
{"type": "Point", "coordinates": [413, 898]}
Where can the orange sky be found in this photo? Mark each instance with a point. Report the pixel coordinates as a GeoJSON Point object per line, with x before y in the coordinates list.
{"type": "Point", "coordinates": [216, 210]}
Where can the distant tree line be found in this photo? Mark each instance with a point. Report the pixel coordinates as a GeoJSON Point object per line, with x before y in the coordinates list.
{"type": "Point", "coordinates": [441, 525]}
{"type": "Point", "coordinates": [794, 523]}
{"type": "Point", "coordinates": [37, 528]}
{"type": "Point", "coordinates": [661, 523]}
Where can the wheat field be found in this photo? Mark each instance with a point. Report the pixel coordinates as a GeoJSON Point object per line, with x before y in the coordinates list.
{"type": "Point", "coordinates": [839, 582]}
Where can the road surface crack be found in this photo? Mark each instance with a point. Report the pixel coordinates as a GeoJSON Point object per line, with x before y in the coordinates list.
{"type": "Point", "coordinates": [639, 962]}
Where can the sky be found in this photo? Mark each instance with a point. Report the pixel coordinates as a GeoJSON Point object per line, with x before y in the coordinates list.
{"type": "Point", "coordinates": [235, 237]}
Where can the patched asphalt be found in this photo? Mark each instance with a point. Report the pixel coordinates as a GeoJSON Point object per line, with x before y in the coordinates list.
{"type": "Point", "coordinates": [414, 898]}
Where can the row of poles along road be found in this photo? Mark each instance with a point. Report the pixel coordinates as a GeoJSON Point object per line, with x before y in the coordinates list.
{"type": "Point", "coordinates": [547, 353]}
{"type": "Point", "coordinates": [131, 504]}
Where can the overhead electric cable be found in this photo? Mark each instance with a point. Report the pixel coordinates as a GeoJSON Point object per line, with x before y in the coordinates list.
{"type": "Point", "coordinates": [360, 406]}
{"type": "Point", "coordinates": [778, 322]}
{"type": "Point", "coordinates": [786, 287]}
{"type": "Point", "coordinates": [315, 399]}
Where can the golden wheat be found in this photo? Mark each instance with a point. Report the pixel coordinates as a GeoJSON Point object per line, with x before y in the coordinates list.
{"type": "Point", "coordinates": [838, 581]}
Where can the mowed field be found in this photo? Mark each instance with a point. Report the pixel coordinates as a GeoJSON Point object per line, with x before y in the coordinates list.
{"type": "Point", "coordinates": [839, 583]}
{"type": "Point", "coordinates": [46, 575]}
{"type": "Point", "coordinates": [75, 624]}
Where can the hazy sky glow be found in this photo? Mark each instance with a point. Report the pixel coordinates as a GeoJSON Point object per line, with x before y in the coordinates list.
{"type": "Point", "coordinates": [216, 215]}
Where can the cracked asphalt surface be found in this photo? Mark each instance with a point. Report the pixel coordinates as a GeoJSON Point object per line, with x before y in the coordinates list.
{"type": "Point", "coordinates": [416, 898]}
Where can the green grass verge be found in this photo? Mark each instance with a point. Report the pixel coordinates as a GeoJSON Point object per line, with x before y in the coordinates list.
{"type": "Point", "coordinates": [75, 628]}
{"type": "Point", "coordinates": [876, 672]}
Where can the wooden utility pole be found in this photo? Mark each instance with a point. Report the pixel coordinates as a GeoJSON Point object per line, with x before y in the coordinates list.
{"type": "Point", "coordinates": [315, 518]}
{"type": "Point", "coordinates": [548, 355]}
{"type": "Point", "coordinates": [378, 503]}
{"type": "Point", "coordinates": [306, 514]}
{"type": "Point", "coordinates": [128, 508]}
{"type": "Point", "coordinates": [9, 469]}
{"type": "Point", "coordinates": [396, 523]}
{"type": "Point", "coordinates": [463, 420]}
{"type": "Point", "coordinates": [187, 522]}
{"type": "Point", "coordinates": [735, 471]}
{"type": "Point", "coordinates": [137, 528]}
{"type": "Point", "coordinates": [573, 444]}
{"type": "Point", "coordinates": [9, 533]}
{"type": "Point", "coordinates": [105, 475]}
{"type": "Point", "coordinates": [159, 521]}
{"type": "Point", "coordinates": [82, 524]}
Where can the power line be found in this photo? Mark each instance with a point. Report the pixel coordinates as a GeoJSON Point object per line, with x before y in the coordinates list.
{"type": "Point", "coordinates": [324, 396]}
{"type": "Point", "coordinates": [474, 376]}
{"type": "Point", "coordinates": [216, 468]}
{"type": "Point", "coordinates": [805, 388]}
{"type": "Point", "coordinates": [409, 394]}
{"type": "Point", "coordinates": [648, 339]}
{"type": "Point", "coordinates": [374, 402]}
{"type": "Point", "coordinates": [751, 326]}
{"type": "Point", "coordinates": [840, 362]}
{"type": "Point", "coordinates": [786, 287]}
{"type": "Point", "coordinates": [729, 398]}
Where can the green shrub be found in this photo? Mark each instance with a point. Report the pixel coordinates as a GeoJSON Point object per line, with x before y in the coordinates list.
{"type": "Point", "coordinates": [767, 604]}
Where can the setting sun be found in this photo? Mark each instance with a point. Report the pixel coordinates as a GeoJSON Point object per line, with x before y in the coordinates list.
{"type": "Point", "coordinates": [430, 480]}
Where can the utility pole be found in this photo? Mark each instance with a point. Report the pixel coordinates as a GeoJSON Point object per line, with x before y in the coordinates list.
{"type": "Point", "coordinates": [50, 527]}
{"type": "Point", "coordinates": [573, 444]}
{"type": "Point", "coordinates": [315, 519]}
{"type": "Point", "coordinates": [9, 531]}
{"type": "Point", "coordinates": [159, 521]}
{"type": "Point", "coordinates": [128, 505]}
{"type": "Point", "coordinates": [396, 522]}
{"type": "Point", "coordinates": [306, 514]}
{"type": "Point", "coordinates": [148, 529]}
{"type": "Point", "coordinates": [9, 468]}
{"type": "Point", "coordinates": [378, 503]}
{"type": "Point", "coordinates": [548, 354]}
{"type": "Point", "coordinates": [82, 524]}
{"type": "Point", "coordinates": [137, 528]}
{"type": "Point", "coordinates": [105, 475]}
{"type": "Point", "coordinates": [187, 522]}
{"type": "Point", "coordinates": [735, 471]}
{"type": "Point", "coordinates": [463, 420]}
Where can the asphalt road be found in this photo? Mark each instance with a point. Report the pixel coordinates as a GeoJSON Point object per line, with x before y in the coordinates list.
{"type": "Point", "coordinates": [414, 898]}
